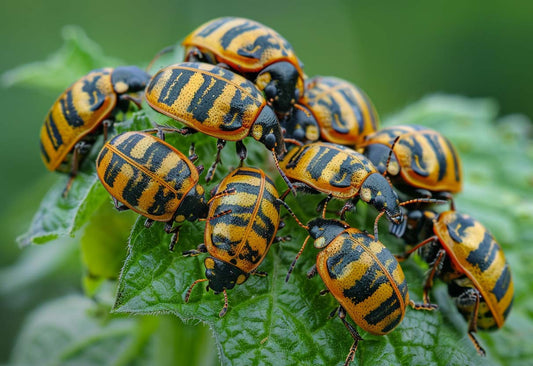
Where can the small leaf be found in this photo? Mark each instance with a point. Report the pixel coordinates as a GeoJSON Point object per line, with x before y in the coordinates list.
{"type": "Point", "coordinates": [75, 58]}
{"type": "Point", "coordinates": [64, 332]}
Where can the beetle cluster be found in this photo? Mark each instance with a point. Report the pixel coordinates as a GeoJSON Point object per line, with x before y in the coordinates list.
{"type": "Point", "coordinates": [240, 78]}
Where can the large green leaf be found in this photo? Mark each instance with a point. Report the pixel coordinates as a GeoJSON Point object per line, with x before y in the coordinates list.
{"type": "Point", "coordinates": [270, 321]}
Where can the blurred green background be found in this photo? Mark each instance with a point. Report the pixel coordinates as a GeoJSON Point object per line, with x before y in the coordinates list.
{"type": "Point", "coordinates": [396, 51]}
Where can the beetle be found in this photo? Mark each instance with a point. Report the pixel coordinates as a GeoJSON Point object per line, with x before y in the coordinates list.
{"type": "Point", "coordinates": [154, 179]}
{"type": "Point", "coordinates": [242, 222]}
{"type": "Point", "coordinates": [423, 162]}
{"type": "Point", "coordinates": [300, 127]}
{"type": "Point", "coordinates": [82, 111]}
{"type": "Point", "coordinates": [343, 112]}
{"type": "Point", "coordinates": [467, 257]}
{"type": "Point", "coordinates": [253, 50]}
{"type": "Point", "coordinates": [341, 173]}
{"type": "Point", "coordinates": [362, 275]}
{"type": "Point", "coordinates": [217, 102]}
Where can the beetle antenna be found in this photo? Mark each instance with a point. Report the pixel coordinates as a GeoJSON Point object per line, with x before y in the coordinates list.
{"type": "Point", "coordinates": [423, 200]}
{"type": "Point", "coordinates": [390, 156]}
{"type": "Point", "coordinates": [188, 294]}
{"type": "Point", "coordinates": [376, 225]}
{"type": "Point", "coordinates": [296, 258]}
{"type": "Point", "coordinates": [300, 107]}
{"type": "Point", "coordinates": [293, 141]}
{"type": "Point", "coordinates": [292, 214]}
{"type": "Point", "coordinates": [220, 194]}
{"type": "Point", "coordinates": [287, 181]}
{"type": "Point", "coordinates": [225, 307]}
{"type": "Point", "coordinates": [164, 51]}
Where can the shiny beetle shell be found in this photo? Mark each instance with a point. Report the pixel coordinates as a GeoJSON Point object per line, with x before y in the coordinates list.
{"type": "Point", "coordinates": [422, 157]}
{"type": "Point", "coordinates": [252, 49]}
{"type": "Point", "coordinates": [475, 253]}
{"type": "Point", "coordinates": [243, 236]}
{"type": "Point", "coordinates": [244, 44]}
{"type": "Point", "coordinates": [150, 177]}
{"type": "Point", "coordinates": [344, 112]}
{"type": "Point", "coordinates": [343, 173]}
{"type": "Point", "coordinates": [214, 101]}
{"type": "Point", "coordinates": [365, 279]}
{"type": "Point", "coordinates": [80, 110]}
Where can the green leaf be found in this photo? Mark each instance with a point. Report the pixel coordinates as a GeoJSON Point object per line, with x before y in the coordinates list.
{"type": "Point", "coordinates": [269, 319]}
{"type": "Point", "coordinates": [60, 216]}
{"type": "Point", "coordinates": [75, 58]}
{"type": "Point", "coordinates": [103, 250]}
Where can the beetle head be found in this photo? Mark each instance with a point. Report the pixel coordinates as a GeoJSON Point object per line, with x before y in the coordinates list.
{"type": "Point", "coordinates": [325, 230]}
{"type": "Point", "coordinates": [222, 275]}
{"type": "Point", "coordinates": [377, 191]}
{"type": "Point", "coordinates": [378, 154]}
{"type": "Point", "coordinates": [194, 205]}
{"type": "Point", "coordinates": [281, 83]}
{"type": "Point", "coordinates": [129, 79]}
{"type": "Point", "coordinates": [267, 130]}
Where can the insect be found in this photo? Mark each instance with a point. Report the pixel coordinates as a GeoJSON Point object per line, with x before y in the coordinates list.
{"type": "Point", "coordinates": [217, 102]}
{"type": "Point", "coordinates": [362, 275]}
{"type": "Point", "coordinates": [341, 173]}
{"type": "Point", "coordinates": [423, 163]}
{"type": "Point", "coordinates": [300, 127]}
{"type": "Point", "coordinates": [254, 50]}
{"type": "Point", "coordinates": [154, 179]}
{"type": "Point", "coordinates": [465, 255]}
{"type": "Point", "coordinates": [243, 219]}
{"type": "Point", "coordinates": [82, 111]}
{"type": "Point", "coordinates": [343, 112]}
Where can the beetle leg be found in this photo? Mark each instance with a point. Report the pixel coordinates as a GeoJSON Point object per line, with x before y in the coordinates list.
{"type": "Point", "coordinates": [194, 252]}
{"type": "Point", "coordinates": [324, 292]}
{"type": "Point", "coordinates": [312, 272]}
{"type": "Point", "coordinates": [175, 231]}
{"type": "Point", "coordinates": [422, 306]}
{"type": "Point", "coordinates": [434, 270]}
{"type": "Point", "coordinates": [212, 168]}
{"type": "Point", "coordinates": [119, 206]}
{"type": "Point", "coordinates": [259, 273]}
{"type": "Point", "coordinates": [192, 153]}
{"type": "Point", "coordinates": [148, 223]}
{"type": "Point", "coordinates": [472, 324]}
{"type": "Point", "coordinates": [404, 256]}
{"type": "Point", "coordinates": [280, 239]}
{"type": "Point", "coordinates": [241, 151]}
{"type": "Point", "coordinates": [223, 66]}
{"type": "Point", "coordinates": [347, 207]}
{"type": "Point", "coordinates": [353, 332]}
{"type": "Point", "coordinates": [79, 149]}
{"type": "Point", "coordinates": [129, 98]}
{"type": "Point", "coordinates": [106, 125]}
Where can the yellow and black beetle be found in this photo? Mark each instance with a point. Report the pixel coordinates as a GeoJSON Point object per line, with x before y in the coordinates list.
{"type": "Point", "coordinates": [423, 162]}
{"type": "Point", "coordinates": [84, 109]}
{"type": "Point", "coordinates": [465, 255]}
{"type": "Point", "coordinates": [217, 102]}
{"type": "Point", "coordinates": [151, 177]}
{"type": "Point", "coordinates": [362, 275]}
{"type": "Point", "coordinates": [253, 50]}
{"type": "Point", "coordinates": [341, 173]}
{"type": "Point", "coordinates": [343, 112]}
{"type": "Point", "coordinates": [243, 219]}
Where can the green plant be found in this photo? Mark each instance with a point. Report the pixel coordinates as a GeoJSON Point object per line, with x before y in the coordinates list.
{"type": "Point", "coordinates": [269, 321]}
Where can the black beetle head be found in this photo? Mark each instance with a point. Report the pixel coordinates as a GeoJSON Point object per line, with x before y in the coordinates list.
{"type": "Point", "coordinates": [222, 275]}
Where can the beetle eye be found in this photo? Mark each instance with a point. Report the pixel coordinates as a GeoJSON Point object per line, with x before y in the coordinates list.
{"type": "Point", "coordinates": [270, 91]}
{"type": "Point", "coordinates": [270, 141]}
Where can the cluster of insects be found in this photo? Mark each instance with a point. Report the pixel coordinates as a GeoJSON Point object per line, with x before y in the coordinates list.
{"type": "Point", "coordinates": [240, 78]}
